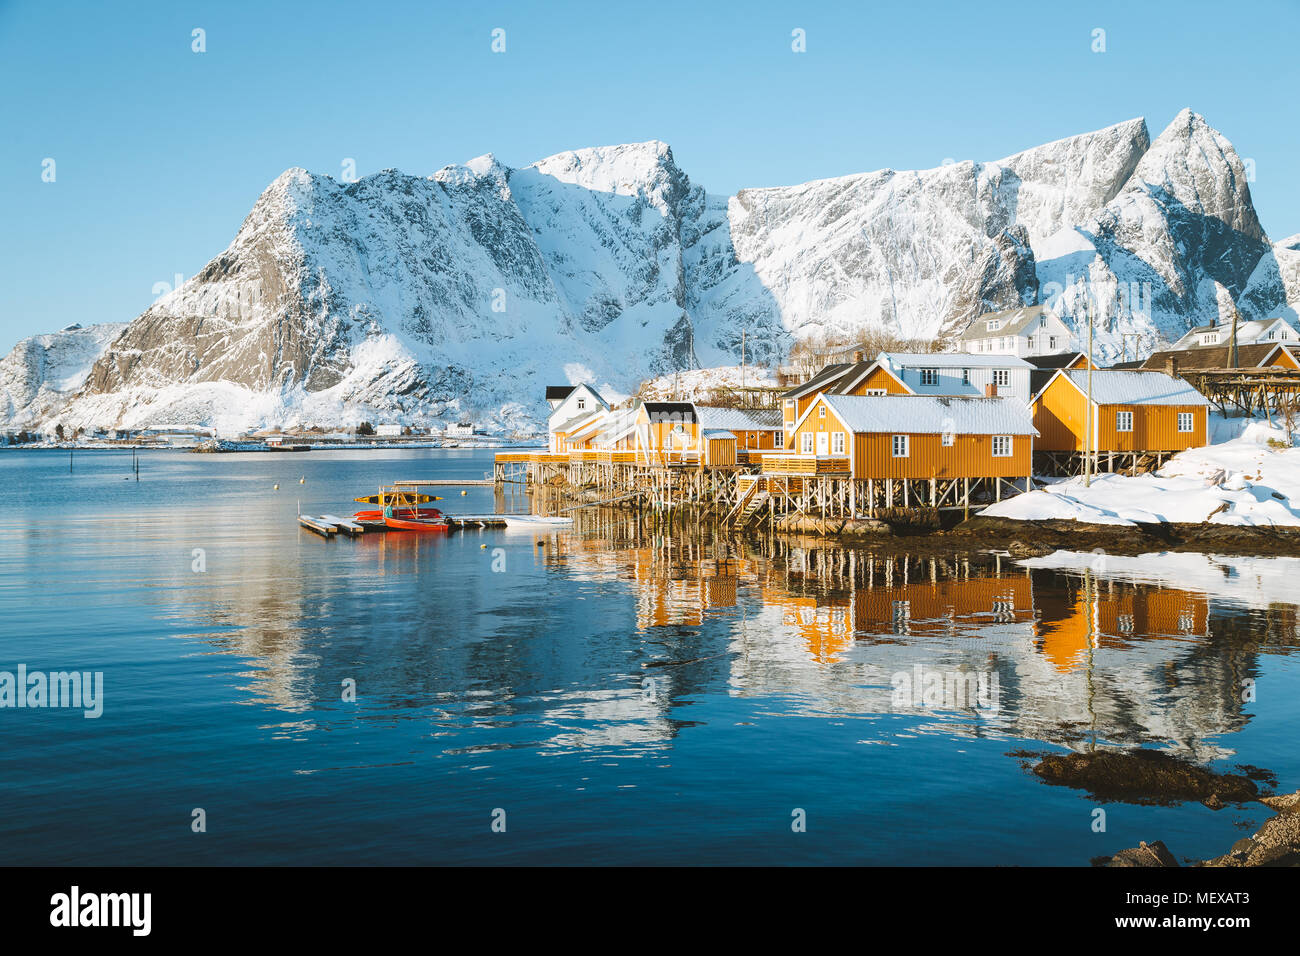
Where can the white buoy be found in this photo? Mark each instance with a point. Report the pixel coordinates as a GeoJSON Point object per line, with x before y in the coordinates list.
{"type": "Point", "coordinates": [464, 493]}
{"type": "Point", "coordinates": [302, 480]}
{"type": "Point", "coordinates": [276, 488]}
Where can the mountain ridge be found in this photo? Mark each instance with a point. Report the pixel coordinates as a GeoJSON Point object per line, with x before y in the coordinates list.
{"type": "Point", "coordinates": [462, 293]}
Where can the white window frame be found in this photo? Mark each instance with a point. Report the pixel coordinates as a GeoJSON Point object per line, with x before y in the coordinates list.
{"type": "Point", "coordinates": [821, 411]}
{"type": "Point", "coordinates": [837, 443]}
{"type": "Point", "coordinates": [582, 403]}
{"type": "Point", "coordinates": [929, 377]}
{"type": "Point", "coordinates": [1005, 443]}
{"type": "Point", "coordinates": [1002, 377]}
{"type": "Point", "coordinates": [1189, 419]}
{"type": "Point", "coordinates": [877, 392]}
{"type": "Point", "coordinates": [901, 441]}
{"type": "Point", "coordinates": [1121, 418]}
{"type": "Point", "coordinates": [806, 443]}
{"type": "Point", "coordinates": [948, 439]}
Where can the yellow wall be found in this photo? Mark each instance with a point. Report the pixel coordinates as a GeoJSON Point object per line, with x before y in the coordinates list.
{"type": "Point", "coordinates": [969, 456]}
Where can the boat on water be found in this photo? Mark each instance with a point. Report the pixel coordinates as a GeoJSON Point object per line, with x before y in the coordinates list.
{"type": "Point", "coordinates": [401, 510]}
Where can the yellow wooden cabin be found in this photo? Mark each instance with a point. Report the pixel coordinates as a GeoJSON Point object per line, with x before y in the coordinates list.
{"type": "Point", "coordinates": [1132, 411]}
{"type": "Point", "coordinates": [919, 437]}
{"type": "Point", "coordinates": [858, 378]}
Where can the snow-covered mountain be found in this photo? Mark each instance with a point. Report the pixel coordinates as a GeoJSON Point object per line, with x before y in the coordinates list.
{"type": "Point", "coordinates": [43, 371]}
{"type": "Point", "coordinates": [404, 298]}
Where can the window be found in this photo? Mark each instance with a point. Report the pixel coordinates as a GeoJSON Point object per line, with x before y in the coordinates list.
{"type": "Point", "coordinates": [929, 376]}
{"type": "Point", "coordinates": [806, 445]}
{"type": "Point", "coordinates": [582, 403]}
{"type": "Point", "coordinates": [1123, 421]}
{"type": "Point", "coordinates": [876, 391]}
{"type": "Point", "coordinates": [1051, 341]}
{"type": "Point", "coordinates": [789, 403]}
{"type": "Point", "coordinates": [947, 438]}
{"type": "Point", "coordinates": [1006, 343]}
{"type": "Point", "coordinates": [994, 326]}
{"type": "Point", "coordinates": [821, 411]}
{"type": "Point", "coordinates": [1184, 421]}
{"type": "Point", "coordinates": [837, 443]}
{"type": "Point", "coordinates": [1001, 376]}
{"type": "Point", "coordinates": [965, 376]}
{"type": "Point", "coordinates": [1030, 343]}
{"type": "Point", "coordinates": [900, 446]}
{"type": "Point", "coordinates": [1001, 446]}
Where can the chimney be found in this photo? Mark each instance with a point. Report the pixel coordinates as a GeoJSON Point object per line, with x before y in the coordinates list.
{"type": "Point", "coordinates": [990, 390]}
{"type": "Point", "coordinates": [857, 356]}
{"type": "Point", "coordinates": [1171, 365]}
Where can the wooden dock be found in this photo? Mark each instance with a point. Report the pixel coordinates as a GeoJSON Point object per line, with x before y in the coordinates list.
{"type": "Point", "coordinates": [319, 525]}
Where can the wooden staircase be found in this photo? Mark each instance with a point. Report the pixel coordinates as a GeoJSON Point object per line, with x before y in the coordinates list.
{"type": "Point", "coordinates": [750, 500]}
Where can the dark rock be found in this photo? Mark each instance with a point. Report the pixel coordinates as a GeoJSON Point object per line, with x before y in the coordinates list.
{"type": "Point", "coordinates": [1154, 854]}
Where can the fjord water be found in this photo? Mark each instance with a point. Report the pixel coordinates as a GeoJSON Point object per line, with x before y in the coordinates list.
{"type": "Point", "coordinates": [613, 693]}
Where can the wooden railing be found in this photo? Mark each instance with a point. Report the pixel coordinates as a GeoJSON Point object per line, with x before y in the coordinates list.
{"type": "Point", "coordinates": [804, 465]}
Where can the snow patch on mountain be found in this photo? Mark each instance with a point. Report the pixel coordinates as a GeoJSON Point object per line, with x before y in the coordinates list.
{"type": "Point", "coordinates": [462, 294]}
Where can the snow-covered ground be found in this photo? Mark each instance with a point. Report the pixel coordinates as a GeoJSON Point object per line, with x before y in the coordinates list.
{"type": "Point", "coordinates": [699, 384]}
{"type": "Point", "coordinates": [1240, 480]}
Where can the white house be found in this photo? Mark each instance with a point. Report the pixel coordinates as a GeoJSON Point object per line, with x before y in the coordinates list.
{"type": "Point", "coordinates": [1030, 330]}
{"type": "Point", "coordinates": [570, 410]}
{"type": "Point", "coordinates": [388, 430]}
{"type": "Point", "coordinates": [1254, 332]}
{"type": "Point", "coordinates": [959, 373]}
{"type": "Point", "coordinates": [460, 430]}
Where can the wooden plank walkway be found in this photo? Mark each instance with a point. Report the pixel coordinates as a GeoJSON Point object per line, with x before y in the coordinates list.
{"type": "Point", "coordinates": [446, 482]}
{"type": "Point", "coordinates": [316, 524]}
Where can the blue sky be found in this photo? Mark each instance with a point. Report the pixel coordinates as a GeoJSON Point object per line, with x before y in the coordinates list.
{"type": "Point", "coordinates": [160, 151]}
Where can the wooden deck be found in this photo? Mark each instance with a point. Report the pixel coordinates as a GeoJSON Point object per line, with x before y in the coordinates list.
{"type": "Point", "coordinates": [805, 465]}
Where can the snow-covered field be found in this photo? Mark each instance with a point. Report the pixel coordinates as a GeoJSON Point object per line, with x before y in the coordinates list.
{"type": "Point", "coordinates": [1241, 480]}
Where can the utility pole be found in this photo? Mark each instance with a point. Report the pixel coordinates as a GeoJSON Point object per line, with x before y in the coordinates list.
{"type": "Point", "coordinates": [1087, 436]}
{"type": "Point", "coordinates": [1232, 349]}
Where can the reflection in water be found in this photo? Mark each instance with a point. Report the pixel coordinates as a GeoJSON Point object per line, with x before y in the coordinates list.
{"type": "Point", "coordinates": [656, 673]}
{"type": "Point", "coordinates": [1082, 658]}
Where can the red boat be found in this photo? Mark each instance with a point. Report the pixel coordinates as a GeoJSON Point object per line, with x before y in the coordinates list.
{"type": "Point", "coordinates": [415, 524]}
{"type": "Point", "coordinates": [377, 514]}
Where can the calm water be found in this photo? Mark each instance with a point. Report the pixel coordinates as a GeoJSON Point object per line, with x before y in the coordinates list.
{"type": "Point", "coordinates": [623, 697]}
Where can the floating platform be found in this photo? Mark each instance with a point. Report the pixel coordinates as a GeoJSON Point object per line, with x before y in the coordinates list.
{"type": "Point", "coordinates": [319, 525]}
{"type": "Point", "coordinates": [346, 525]}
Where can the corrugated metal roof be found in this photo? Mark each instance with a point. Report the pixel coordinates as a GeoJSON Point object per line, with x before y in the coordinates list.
{"type": "Point", "coordinates": [926, 415]}
{"type": "Point", "coordinates": [739, 419]}
{"type": "Point", "coordinates": [897, 360]}
{"type": "Point", "coordinates": [819, 381]}
{"type": "Point", "coordinates": [718, 435]}
{"type": "Point", "coordinates": [1212, 356]}
{"type": "Point", "coordinates": [1110, 387]}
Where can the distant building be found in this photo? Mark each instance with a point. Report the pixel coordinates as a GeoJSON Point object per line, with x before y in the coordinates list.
{"type": "Point", "coordinates": [1204, 357]}
{"type": "Point", "coordinates": [1254, 332]}
{"type": "Point", "coordinates": [388, 431]}
{"type": "Point", "coordinates": [460, 430]}
{"type": "Point", "coordinates": [960, 374]}
{"type": "Point", "coordinates": [1027, 331]}
{"type": "Point", "coordinates": [571, 410]}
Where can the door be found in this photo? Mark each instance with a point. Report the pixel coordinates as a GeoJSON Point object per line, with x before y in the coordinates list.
{"type": "Point", "coordinates": [823, 443]}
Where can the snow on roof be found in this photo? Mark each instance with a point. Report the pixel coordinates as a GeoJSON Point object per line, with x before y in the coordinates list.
{"type": "Point", "coordinates": [1110, 387]}
{"type": "Point", "coordinates": [578, 420]}
{"type": "Point", "coordinates": [898, 360]}
{"type": "Point", "coordinates": [718, 434]}
{"type": "Point", "coordinates": [926, 415]}
{"type": "Point", "coordinates": [830, 373]}
{"type": "Point", "coordinates": [739, 419]}
{"type": "Point", "coordinates": [1010, 322]}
